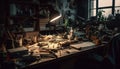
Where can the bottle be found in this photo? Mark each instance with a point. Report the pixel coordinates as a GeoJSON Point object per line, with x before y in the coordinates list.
{"type": "Point", "coordinates": [21, 41]}
{"type": "Point", "coordinates": [71, 33]}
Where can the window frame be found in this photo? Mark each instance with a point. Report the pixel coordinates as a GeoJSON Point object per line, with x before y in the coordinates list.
{"type": "Point", "coordinates": [105, 7]}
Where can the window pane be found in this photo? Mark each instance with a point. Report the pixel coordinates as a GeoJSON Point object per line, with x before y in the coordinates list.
{"type": "Point", "coordinates": [93, 4]}
{"type": "Point", "coordinates": [117, 8]}
{"type": "Point", "coordinates": [93, 12]}
{"type": "Point", "coordinates": [104, 3]}
{"type": "Point", "coordinates": [117, 2]}
{"type": "Point", "coordinates": [107, 12]}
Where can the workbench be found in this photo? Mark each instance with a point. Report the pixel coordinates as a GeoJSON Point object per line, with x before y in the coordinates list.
{"type": "Point", "coordinates": [67, 59]}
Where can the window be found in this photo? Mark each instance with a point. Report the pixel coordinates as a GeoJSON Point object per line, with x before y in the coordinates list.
{"type": "Point", "coordinates": [107, 11]}
{"type": "Point", "coordinates": [117, 2]}
{"type": "Point", "coordinates": [106, 6]}
{"type": "Point", "coordinates": [104, 3]}
{"type": "Point", "coordinates": [117, 8]}
{"type": "Point", "coordinates": [93, 7]}
{"type": "Point", "coordinates": [94, 4]}
{"type": "Point", "coordinates": [93, 12]}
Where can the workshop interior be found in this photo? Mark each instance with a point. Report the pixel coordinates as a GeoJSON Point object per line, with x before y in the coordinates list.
{"type": "Point", "coordinates": [59, 34]}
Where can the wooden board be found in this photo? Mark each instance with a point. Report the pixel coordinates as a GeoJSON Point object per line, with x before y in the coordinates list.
{"type": "Point", "coordinates": [82, 45]}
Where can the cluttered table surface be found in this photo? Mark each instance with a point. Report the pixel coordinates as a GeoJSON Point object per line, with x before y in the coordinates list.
{"type": "Point", "coordinates": [51, 48]}
{"type": "Point", "coordinates": [46, 56]}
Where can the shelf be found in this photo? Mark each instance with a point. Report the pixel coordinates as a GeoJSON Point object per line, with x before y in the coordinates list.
{"type": "Point", "coordinates": [23, 17]}
{"type": "Point", "coordinates": [23, 2]}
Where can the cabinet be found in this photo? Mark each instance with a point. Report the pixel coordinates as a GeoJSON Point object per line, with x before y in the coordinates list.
{"type": "Point", "coordinates": [21, 19]}
{"type": "Point", "coordinates": [23, 14]}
